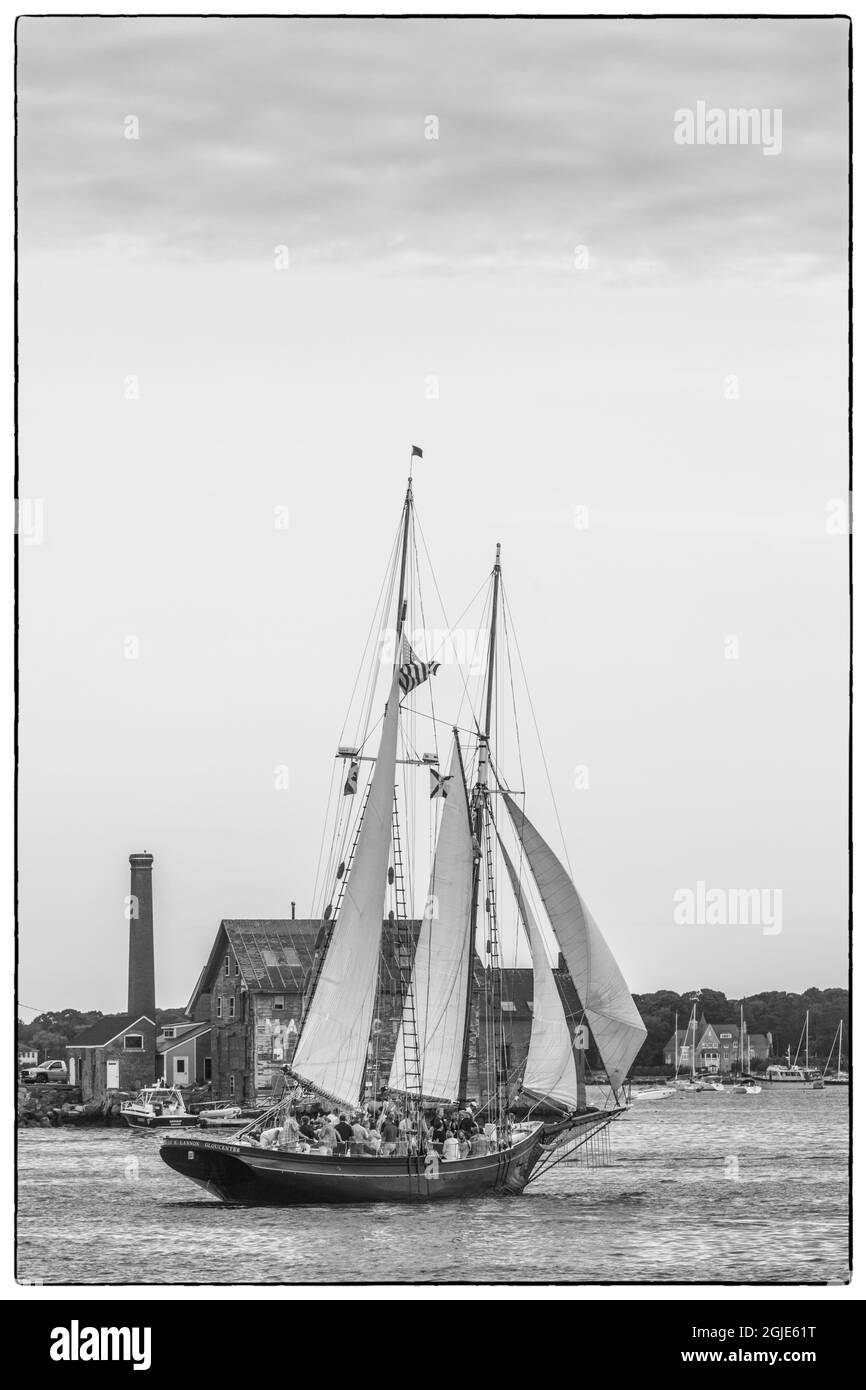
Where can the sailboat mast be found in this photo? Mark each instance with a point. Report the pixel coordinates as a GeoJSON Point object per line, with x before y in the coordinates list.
{"type": "Point", "coordinates": [401, 588]}
{"type": "Point", "coordinates": [478, 821]}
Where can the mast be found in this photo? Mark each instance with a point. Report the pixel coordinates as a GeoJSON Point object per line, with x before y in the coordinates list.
{"type": "Point", "coordinates": [807, 1040]}
{"type": "Point", "coordinates": [676, 1043]}
{"type": "Point", "coordinates": [401, 588]}
{"type": "Point", "coordinates": [479, 802]}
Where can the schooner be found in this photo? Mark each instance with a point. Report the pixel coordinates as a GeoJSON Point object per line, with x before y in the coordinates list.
{"type": "Point", "coordinates": [454, 952]}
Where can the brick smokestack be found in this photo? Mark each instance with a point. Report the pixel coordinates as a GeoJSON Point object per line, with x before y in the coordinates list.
{"type": "Point", "coordinates": [142, 983]}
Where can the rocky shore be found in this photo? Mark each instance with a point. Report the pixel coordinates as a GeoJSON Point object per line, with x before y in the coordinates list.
{"type": "Point", "coordinates": [46, 1105]}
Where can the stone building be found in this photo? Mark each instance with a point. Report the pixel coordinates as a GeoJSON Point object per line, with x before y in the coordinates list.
{"type": "Point", "coordinates": [251, 993]}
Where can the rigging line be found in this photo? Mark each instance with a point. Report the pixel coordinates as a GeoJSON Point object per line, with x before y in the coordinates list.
{"type": "Point", "coordinates": [451, 628]}
{"type": "Point", "coordinates": [538, 734]}
{"type": "Point", "coordinates": [387, 582]}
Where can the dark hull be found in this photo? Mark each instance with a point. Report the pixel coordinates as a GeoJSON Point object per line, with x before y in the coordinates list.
{"type": "Point", "coordinates": [267, 1177]}
{"type": "Point", "coordinates": [159, 1121]}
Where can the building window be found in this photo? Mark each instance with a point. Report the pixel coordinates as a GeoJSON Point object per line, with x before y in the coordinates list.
{"type": "Point", "coordinates": [237, 967]}
{"type": "Point", "coordinates": [508, 1006]}
{"type": "Point", "coordinates": [219, 1006]}
{"type": "Point", "coordinates": [228, 964]}
{"type": "Point", "coordinates": [168, 1032]}
{"type": "Point", "coordinates": [133, 1042]}
{"type": "Point", "coordinates": [232, 1007]}
{"type": "Point", "coordinates": [279, 1001]}
{"type": "Point", "coordinates": [208, 1068]}
{"type": "Point", "coordinates": [232, 1084]}
{"type": "Point", "coordinates": [180, 1066]}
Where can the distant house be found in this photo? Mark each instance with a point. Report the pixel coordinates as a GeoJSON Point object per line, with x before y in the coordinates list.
{"type": "Point", "coordinates": [718, 1047]}
{"type": "Point", "coordinates": [28, 1059]}
{"type": "Point", "coordinates": [184, 1051]}
{"type": "Point", "coordinates": [706, 1052]}
{"type": "Point", "coordinates": [116, 1053]}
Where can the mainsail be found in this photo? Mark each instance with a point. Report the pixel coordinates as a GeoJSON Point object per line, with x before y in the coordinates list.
{"type": "Point", "coordinates": [607, 1003]}
{"type": "Point", "coordinates": [332, 1049]}
{"type": "Point", "coordinates": [550, 1071]}
{"type": "Point", "coordinates": [440, 976]}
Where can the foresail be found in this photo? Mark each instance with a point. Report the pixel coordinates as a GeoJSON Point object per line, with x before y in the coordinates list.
{"type": "Point", "coordinates": [550, 1071]}
{"type": "Point", "coordinates": [332, 1049]}
{"type": "Point", "coordinates": [440, 976]}
{"type": "Point", "coordinates": [607, 1003]}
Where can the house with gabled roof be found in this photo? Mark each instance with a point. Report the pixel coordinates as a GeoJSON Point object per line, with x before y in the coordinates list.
{"type": "Point", "coordinates": [116, 1053]}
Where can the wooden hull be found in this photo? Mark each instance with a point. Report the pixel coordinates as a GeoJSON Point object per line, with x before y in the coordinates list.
{"type": "Point", "coordinates": [268, 1177]}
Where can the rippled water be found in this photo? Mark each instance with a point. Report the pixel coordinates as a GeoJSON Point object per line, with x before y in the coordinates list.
{"type": "Point", "coordinates": [710, 1187]}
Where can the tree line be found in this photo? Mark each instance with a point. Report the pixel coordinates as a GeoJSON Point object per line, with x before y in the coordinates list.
{"type": "Point", "coordinates": [774, 1011]}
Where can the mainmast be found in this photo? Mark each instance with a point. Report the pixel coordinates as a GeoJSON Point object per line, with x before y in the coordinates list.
{"type": "Point", "coordinates": [479, 808]}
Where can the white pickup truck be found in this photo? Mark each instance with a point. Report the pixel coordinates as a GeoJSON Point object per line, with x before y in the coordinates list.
{"type": "Point", "coordinates": [47, 1071]}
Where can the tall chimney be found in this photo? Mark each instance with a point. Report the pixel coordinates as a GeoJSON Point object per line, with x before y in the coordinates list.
{"type": "Point", "coordinates": [142, 984]}
{"type": "Point", "coordinates": [293, 912]}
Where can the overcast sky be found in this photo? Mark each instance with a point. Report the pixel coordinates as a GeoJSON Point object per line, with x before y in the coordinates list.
{"type": "Point", "coordinates": [605, 384]}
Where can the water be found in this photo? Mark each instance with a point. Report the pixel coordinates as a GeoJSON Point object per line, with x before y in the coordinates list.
{"type": "Point", "coordinates": [710, 1187]}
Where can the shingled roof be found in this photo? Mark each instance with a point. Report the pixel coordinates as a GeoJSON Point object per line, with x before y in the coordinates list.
{"type": "Point", "coordinates": [274, 955]}
{"type": "Point", "coordinates": [105, 1029]}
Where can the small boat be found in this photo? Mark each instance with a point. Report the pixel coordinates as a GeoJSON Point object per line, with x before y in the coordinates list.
{"type": "Point", "coordinates": [841, 1078]}
{"type": "Point", "coordinates": [818, 1084]}
{"type": "Point", "coordinates": [790, 1073]}
{"type": "Point", "coordinates": [158, 1107]}
{"type": "Point", "coordinates": [746, 1085]}
{"type": "Point", "coordinates": [652, 1092]}
{"type": "Point", "coordinates": [226, 1116]}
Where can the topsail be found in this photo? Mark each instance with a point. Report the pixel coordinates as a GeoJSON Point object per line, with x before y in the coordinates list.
{"type": "Point", "coordinates": [607, 1003]}
{"type": "Point", "coordinates": [332, 1049]}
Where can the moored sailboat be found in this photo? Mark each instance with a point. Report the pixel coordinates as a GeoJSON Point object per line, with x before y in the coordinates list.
{"type": "Point", "coordinates": [265, 1163]}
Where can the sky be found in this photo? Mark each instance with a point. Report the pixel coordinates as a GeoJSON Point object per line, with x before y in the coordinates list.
{"type": "Point", "coordinates": [625, 359]}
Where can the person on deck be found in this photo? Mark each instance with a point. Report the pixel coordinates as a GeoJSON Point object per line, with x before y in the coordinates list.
{"type": "Point", "coordinates": [438, 1129]}
{"type": "Point", "coordinates": [328, 1134]}
{"type": "Point", "coordinates": [305, 1127]}
{"type": "Point", "coordinates": [390, 1135]}
{"type": "Point", "coordinates": [463, 1144]}
{"type": "Point", "coordinates": [406, 1141]}
{"type": "Point", "coordinates": [290, 1132]}
{"type": "Point", "coordinates": [360, 1136]}
{"type": "Point", "coordinates": [478, 1144]}
{"type": "Point", "coordinates": [344, 1134]}
{"type": "Point", "coordinates": [450, 1148]}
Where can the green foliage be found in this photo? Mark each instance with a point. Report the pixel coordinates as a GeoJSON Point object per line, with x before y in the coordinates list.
{"type": "Point", "coordinates": [49, 1033]}
{"type": "Point", "coordinates": [773, 1012]}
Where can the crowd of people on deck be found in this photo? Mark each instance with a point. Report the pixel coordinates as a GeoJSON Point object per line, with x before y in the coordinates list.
{"type": "Point", "coordinates": [385, 1131]}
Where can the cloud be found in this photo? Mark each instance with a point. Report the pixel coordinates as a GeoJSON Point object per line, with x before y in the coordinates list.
{"type": "Point", "coordinates": [310, 133]}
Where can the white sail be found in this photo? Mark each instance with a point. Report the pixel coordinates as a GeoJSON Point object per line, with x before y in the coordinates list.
{"type": "Point", "coordinates": [550, 1071]}
{"type": "Point", "coordinates": [332, 1048]}
{"type": "Point", "coordinates": [440, 975]}
{"type": "Point", "coordinates": [607, 1003]}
